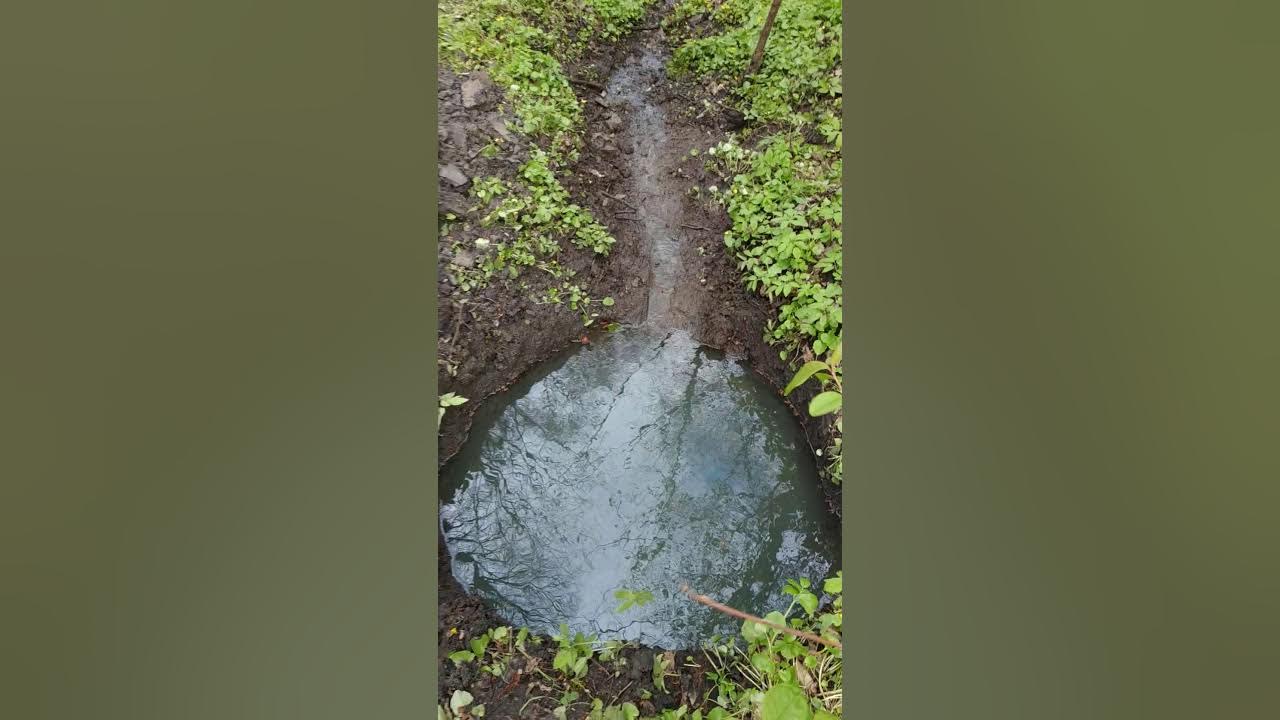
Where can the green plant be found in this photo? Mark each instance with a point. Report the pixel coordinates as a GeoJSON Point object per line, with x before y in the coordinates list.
{"type": "Point", "coordinates": [777, 674]}
{"type": "Point", "coordinates": [448, 400]}
{"type": "Point", "coordinates": [460, 707]}
{"type": "Point", "coordinates": [625, 711]}
{"type": "Point", "coordinates": [830, 400]}
{"type": "Point", "coordinates": [827, 372]}
{"type": "Point", "coordinates": [573, 653]}
{"type": "Point", "coordinates": [576, 298]}
{"type": "Point", "coordinates": [629, 598]}
{"type": "Point", "coordinates": [801, 66]}
{"type": "Point", "coordinates": [487, 188]}
{"type": "Point", "coordinates": [662, 664]}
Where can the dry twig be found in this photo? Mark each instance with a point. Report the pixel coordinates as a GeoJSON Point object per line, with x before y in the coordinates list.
{"type": "Point", "coordinates": [703, 599]}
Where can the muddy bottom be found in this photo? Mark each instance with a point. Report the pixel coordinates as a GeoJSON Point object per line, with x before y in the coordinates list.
{"type": "Point", "coordinates": [641, 462]}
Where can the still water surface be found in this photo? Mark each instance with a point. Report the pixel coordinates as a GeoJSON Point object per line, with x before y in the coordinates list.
{"type": "Point", "coordinates": [642, 461]}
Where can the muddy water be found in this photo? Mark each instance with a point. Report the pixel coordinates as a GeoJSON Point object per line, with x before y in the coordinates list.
{"type": "Point", "coordinates": [658, 199]}
{"type": "Point", "coordinates": [640, 462]}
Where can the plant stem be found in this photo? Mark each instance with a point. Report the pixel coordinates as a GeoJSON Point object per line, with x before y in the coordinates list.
{"type": "Point", "coordinates": [758, 56]}
{"type": "Point", "coordinates": [703, 599]}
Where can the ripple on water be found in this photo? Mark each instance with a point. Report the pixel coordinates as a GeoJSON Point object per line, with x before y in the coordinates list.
{"type": "Point", "coordinates": [642, 462]}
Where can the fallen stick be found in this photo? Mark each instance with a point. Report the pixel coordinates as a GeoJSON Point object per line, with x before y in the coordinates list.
{"type": "Point", "coordinates": [620, 200]}
{"type": "Point", "coordinates": [703, 599]}
{"type": "Point", "coordinates": [696, 227]}
{"type": "Point", "coordinates": [586, 83]}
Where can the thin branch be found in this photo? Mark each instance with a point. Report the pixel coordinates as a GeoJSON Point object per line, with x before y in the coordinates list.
{"type": "Point", "coordinates": [617, 198]}
{"type": "Point", "coordinates": [586, 83]}
{"type": "Point", "coordinates": [703, 599]}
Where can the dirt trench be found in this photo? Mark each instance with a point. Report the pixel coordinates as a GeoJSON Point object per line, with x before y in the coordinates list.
{"type": "Point", "coordinates": [668, 267]}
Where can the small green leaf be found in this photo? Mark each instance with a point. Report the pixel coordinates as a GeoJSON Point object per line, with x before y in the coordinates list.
{"type": "Point", "coordinates": [808, 601]}
{"type": "Point", "coordinates": [564, 659]}
{"type": "Point", "coordinates": [460, 699]}
{"type": "Point", "coordinates": [462, 656]}
{"type": "Point", "coordinates": [785, 702]}
{"type": "Point", "coordinates": [825, 403]}
{"type": "Point", "coordinates": [607, 302]}
{"type": "Point", "coordinates": [805, 372]}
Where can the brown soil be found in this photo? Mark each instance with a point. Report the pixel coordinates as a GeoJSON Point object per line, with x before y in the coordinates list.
{"type": "Point", "coordinates": [500, 334]}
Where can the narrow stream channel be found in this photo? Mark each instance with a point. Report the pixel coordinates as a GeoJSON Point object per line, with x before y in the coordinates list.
{"type": "Point", "coordinates": [642, 462]}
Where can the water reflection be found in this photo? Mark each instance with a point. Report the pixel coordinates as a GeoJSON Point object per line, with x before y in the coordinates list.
{"type": "Point", "coordinates": [641, 462]}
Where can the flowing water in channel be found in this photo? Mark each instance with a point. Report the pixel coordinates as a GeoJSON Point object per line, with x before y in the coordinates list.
{"type": "Point", "coordinates": [640, 462]}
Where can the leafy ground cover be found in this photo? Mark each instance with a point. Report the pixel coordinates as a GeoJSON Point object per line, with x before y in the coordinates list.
{"type": "Point", "coordinates": [785, 668]}
{"type": "Point", "coordinates": [521, 46]}
{"type": "Point", "coordinates": [783, 170]}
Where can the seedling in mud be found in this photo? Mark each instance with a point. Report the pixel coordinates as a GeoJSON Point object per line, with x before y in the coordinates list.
{"type": "Point", "coordinates": [493, 649]}
{"type": "Point", "coordinates": [448, 400]}
{"type": "Point", "coordinates": [662, 664]}
{"type": "Point", "coordinates": [572, 295]}
{"type": "Point", "coordinates": [612, 651]}
{"type": "Point", "coordinates": [573, 654]}
{"type": "Point", "coordinates": [487, 188]}
{"type": "Point", "coordinates": [625, 711]}
{"type": "Point", "coordinates": [460, 707]}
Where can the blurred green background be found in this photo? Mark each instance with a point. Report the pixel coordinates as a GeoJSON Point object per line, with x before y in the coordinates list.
{"type": "Point", "coordinates": [217, 302]}
{"type": "Point", "coordinates": [1064, 476]}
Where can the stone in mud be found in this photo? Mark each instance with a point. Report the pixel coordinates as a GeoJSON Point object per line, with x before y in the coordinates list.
{"type": "Point", "coordinates": [465, 259]}
{"type": "Point", "coordinates": [458, 135]}
{"type": "Point", "coordinates": [613, 121]}
{"type": "Point", "coordinates": [626, 146]}
{"type": "Point", "coordinates": [452, 202]}
{"type": "Point", "coordinates": [477, 90]}
{"type": "Point", "coordinates": [733, 119]}
{"type": "Point", "coordinates": [499, 125]}
{"type": "Point", "coordinates": [453, 175]}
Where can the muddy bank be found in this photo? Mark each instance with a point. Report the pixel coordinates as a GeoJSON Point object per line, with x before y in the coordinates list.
{"type": "Point", "coordinates": [490, 336]}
